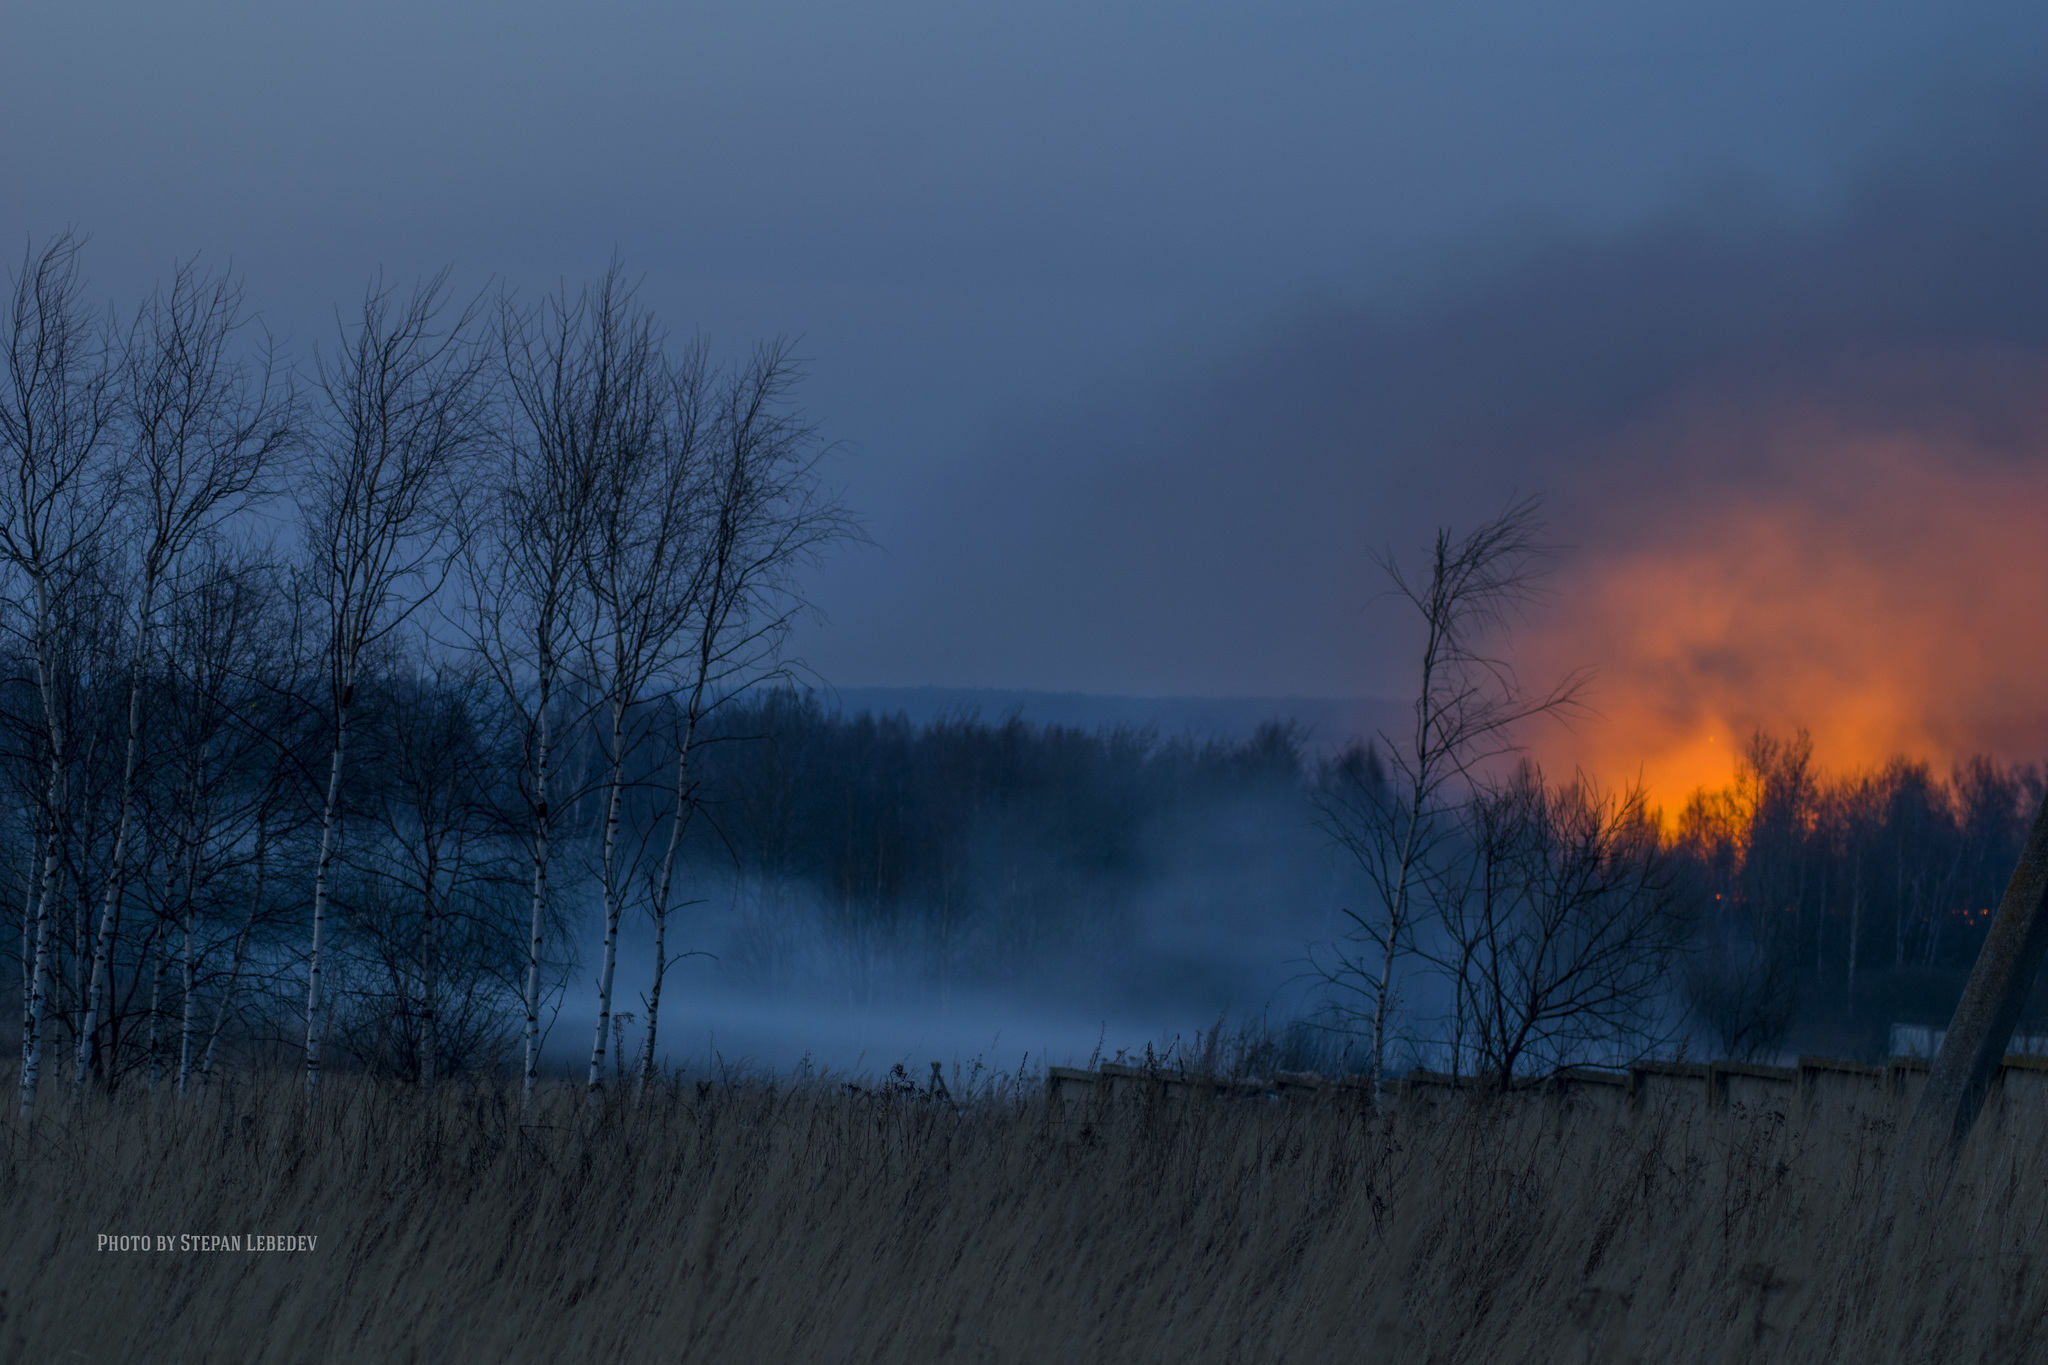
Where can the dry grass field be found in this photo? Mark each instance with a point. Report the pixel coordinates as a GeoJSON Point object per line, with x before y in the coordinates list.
{"type": "Point", "coordinates": [808, 1222]}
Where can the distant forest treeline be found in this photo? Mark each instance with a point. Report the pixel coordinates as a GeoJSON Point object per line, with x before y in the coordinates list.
{"type": "Point", "coordinates": [1820, 891]}
{"type": "Point", "coordinates": [960, 820]}
{"type": "Point", "coordinates": [1845, 900]}
{"type": "Point", "coordinates": [968, 846]}
{"type": "Point", "coordinates": [979, 847]}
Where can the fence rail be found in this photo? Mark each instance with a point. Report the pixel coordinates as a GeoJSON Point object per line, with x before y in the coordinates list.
{"type": "Point", "coordinates": [1813, 1083]}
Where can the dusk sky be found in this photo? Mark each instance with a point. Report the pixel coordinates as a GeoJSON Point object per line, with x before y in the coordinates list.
{"type": "Point", "coordinates": [1140, 326]}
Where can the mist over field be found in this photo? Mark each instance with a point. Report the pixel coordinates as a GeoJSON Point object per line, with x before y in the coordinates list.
{"type": "Point", "coordinates": [1216, 927]}
{"type": "Point", "coordinates": [1202, 916]}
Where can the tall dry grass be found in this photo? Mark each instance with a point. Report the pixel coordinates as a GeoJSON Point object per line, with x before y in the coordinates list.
{"type": "Point", "coordinates": [802, 1222]}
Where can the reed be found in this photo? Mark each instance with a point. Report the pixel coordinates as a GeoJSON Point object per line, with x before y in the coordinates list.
{"type": "Point", "coordinates": [755, 1221]}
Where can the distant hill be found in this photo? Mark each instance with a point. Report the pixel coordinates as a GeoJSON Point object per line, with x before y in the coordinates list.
{"type": "Point", "coordinates": [1330, 720]}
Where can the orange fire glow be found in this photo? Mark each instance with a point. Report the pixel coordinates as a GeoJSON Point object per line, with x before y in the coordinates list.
{"type": "Point", "coordinates": [1888, 593]}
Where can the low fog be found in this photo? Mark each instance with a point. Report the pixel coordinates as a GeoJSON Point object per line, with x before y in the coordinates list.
{"type": "Point", "coordinates": [1167, 883]}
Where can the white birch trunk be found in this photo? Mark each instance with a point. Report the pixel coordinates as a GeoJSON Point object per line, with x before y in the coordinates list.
{"type": "Point", "coordinates": [668, 867]}
{"type": "Point", "coordinates": [103, 951]}
{"type": "Point", "coordinates": [58, 796]}
{"type": "Point", "coordinates": [227, 996]}
{"type": "Point", "coordinates": [540, 900]}
{"type": "Point", "coordinates": [430, 984]}
{"type": "Point", "coordinates": [609, 887]}
{"type": "Point", "coordinates": [188, 929]}
{"type": "Point", "coordinates": [1397, 915]}
{"type": "Point", "coordinates": [189, 983]}
{"type": "Point", "coordinates": [162, 947]}
{"type": "Point", "coordinates": [30, 887]}
{"type": "Point", "coordinates": [314, 1001]}
{"type": "Point", "coordinates": [39, 976]}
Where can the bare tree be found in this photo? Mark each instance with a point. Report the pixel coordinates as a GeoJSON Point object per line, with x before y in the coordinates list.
{"type": "Point", "coordinates": [1559, 941]}
{"type": "Point", "coordinates": [644, 530]}
{"type": "Point", "coordinates": [402, 405]}
{"type": "Point", "coordinates": [58, 488]}
{"type": "Point", "coordinates": [1468, 702]}
{"type": "Point", "coordinates": [204, 430]}
{"type": "Point", "coordinates": [1741, 989]}
{"type": "Point", "coordinates": [631, 556]}
{"type": "Point", "coordinates": [566, 369]}
{"type": "Point", "coordinates": [227, 776]}
{"type": "Point", "coordinates": [430, 813]}
{"type": "Point", "coordinates": [767, 516]}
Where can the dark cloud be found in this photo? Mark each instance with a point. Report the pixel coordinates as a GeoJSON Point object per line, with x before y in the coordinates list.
{"type": "Point", "coordinates": [1217, 525]}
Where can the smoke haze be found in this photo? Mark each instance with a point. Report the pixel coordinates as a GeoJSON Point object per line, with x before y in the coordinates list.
{"type": "Point", "coordinates": [1793, 467]}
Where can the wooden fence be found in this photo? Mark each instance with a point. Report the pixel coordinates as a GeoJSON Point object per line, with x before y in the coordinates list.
{"type": "Point", "coordinates": [1889, 1090]}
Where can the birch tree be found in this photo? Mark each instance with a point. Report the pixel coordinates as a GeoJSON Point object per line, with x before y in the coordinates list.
{"type": "Point", "coordinates": [567, 366]}
{"type": "Point", "coordinates": [401, 404]}
{"type": "Point", "coordinates": [228, 775]}
{"type": "Point", "coordinates": [1467, 704]}
{"type": "Point", "coordinates": [58, 487]}
{"type": "Point", "coordinates": [204, 430]}
{"type": "Point", "coordinates": [646, 439]}
{"type": "Point", "coordinates": [765, 516]}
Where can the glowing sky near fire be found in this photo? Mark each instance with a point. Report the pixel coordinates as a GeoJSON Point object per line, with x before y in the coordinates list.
{"type": "Point", "coordinates": [1883, 587]}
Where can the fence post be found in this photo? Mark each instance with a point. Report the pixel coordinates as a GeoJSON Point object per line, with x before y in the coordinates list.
{"type": "Point", "coordinates": [1990, 1007]}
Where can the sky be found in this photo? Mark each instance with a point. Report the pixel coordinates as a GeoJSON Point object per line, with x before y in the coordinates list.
{"type": "Point", "coordinates": [1139, 328]}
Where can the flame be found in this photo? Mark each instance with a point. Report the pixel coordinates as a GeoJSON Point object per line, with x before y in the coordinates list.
{"type": "Point", "coordinates": [1889, 593]}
